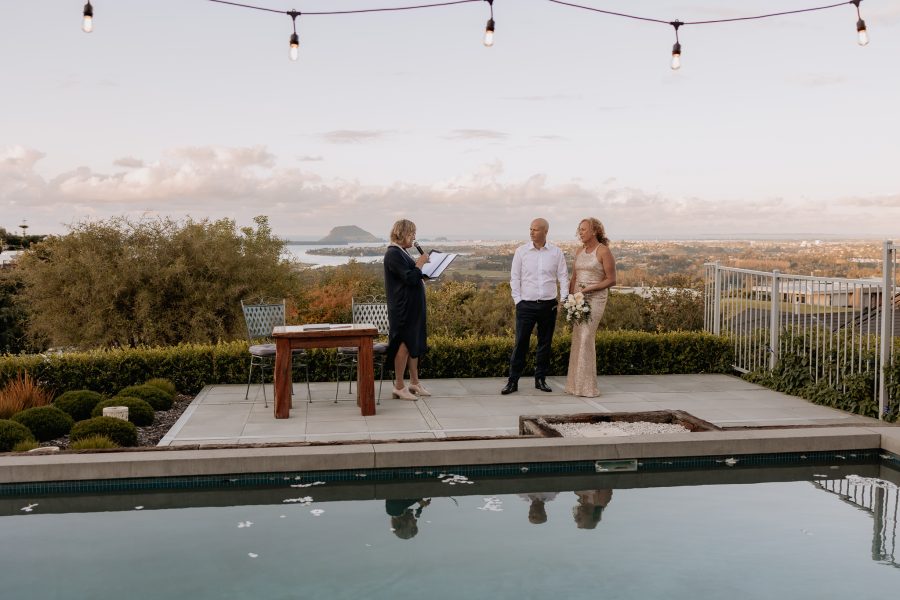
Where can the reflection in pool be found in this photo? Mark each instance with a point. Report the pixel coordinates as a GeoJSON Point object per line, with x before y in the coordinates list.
{"type": "Point", "coordinates": [820, 532]}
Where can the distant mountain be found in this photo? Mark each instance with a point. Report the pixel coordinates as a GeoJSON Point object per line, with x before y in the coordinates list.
{"type": "Point", "coordinates": [348, 233]}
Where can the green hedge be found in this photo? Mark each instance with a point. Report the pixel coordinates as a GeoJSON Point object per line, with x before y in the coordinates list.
{"type": "Point", "coordinates": [191, 366]}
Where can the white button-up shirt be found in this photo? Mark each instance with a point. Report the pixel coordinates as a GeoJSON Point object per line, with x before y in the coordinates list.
{"type": "Point", "coordinates": [536, 271]}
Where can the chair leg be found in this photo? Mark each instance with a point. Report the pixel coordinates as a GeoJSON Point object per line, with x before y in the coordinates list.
{"type": "Point", "coordinates": [308, 391]}
{"type": "Point", "coordinates": [249, 379]}
{"type": "Point", "coordinates": [380, 382]}
{"type": "Point", "coordinates": [337, 376]}
{"type": "Point", "coordinates": [262, 370]}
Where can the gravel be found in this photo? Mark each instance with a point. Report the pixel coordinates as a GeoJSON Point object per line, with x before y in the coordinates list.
{"type": "Point", "coordinates": [150, 434]}
{"type": "Point", "coordinates": [615, 428]}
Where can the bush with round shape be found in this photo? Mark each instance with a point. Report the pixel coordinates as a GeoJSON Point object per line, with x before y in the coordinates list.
{"type": "Point", "coordinates": [45, 422]}
{"type": "Point", "coordinates": [164, 384]}
{"type": "Point", "coordinates": [93, 442]}
{"type": "Point", "coordinates": [78, 403]}
{"type": "Point", "coordinates": [124, 433]}
{"type": "Point", "coordinates": [139, 411]}
{"type": "Point", "coordinates": [12, 433]}
{"type": "Point", "coordinates": [154, 396]}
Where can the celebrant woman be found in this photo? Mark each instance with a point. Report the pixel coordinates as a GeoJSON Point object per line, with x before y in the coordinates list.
{"type": "Point", "coordinates": [594, 272]}
{"type": "Point", "coordinates": [405, 290]}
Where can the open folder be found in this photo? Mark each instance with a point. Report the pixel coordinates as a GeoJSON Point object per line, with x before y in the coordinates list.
{"type": "Point", "coordinates": [437, 262]}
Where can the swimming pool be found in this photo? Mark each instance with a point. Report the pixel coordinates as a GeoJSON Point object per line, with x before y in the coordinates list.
{"type": "Point", "coordinates": [789, 532]}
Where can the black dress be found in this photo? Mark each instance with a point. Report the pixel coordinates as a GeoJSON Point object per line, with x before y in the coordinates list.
{"type": "Point", "coordinates": [405, 293]}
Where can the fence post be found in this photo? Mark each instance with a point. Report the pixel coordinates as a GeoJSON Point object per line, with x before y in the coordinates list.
{"type": "Point", "coordinates": [775, 319]}
{"type": "Point", "coordinates": [717, 295]}
{"type": "Point", "coordinates": [887, 325]}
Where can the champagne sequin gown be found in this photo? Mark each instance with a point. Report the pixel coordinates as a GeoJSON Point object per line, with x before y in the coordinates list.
{"type": "Point", "coordinates": [582, 377]}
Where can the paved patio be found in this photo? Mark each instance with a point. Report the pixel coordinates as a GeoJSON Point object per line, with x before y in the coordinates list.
{"type": "Point", "coordinates": [474, 407]}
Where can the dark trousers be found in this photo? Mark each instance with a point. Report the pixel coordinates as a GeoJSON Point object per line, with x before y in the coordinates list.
{"type": "Point", "coordinates": [529, 314]}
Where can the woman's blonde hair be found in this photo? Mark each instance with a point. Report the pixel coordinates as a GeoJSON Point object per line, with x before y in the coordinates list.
{"type": "Point", "coordinates": [401, 230]}
{"type": "Point", "coordinates": [599, 230]}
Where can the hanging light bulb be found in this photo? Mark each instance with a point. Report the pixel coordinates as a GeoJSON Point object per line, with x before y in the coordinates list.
{"type": "Point", "coordinates": [676, 56]}
{"type": "Point", "coordinates": [87, 23]}
{"type": "Point", "coordinates": [295, 46]}
{"type": "Point", "coordinates": [489, 33]}
{"type": "Point", "coordinates": [676, 49]}
{"type": "Point", "coordinates": [489, 29]}
{"type": "Point", "coordinates": [861, 32]}
{"type": "Point", "coordinates": [294, 52]}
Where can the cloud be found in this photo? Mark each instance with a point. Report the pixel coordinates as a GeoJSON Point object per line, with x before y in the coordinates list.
{"type": "Point", "coordinates": [477, 134]}
{"type": "Point", "coordinates": [128, 162]}
{"type": "Point", "coordinates": [549, 138]}
{"type": "Point", "coordinates": [308, 158]}
{"type": "Point", "coordinates": [544, 98]}
{"type": "Point", "coordinates": [239, 183]}
{"type": "Point", "coordinates": [353, 136]}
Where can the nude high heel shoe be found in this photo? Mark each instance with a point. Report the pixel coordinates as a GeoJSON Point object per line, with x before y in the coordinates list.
{"type": "Point", "coordinates": [403, 394]}
{"type": "Point", "coordinates": [418, 389]}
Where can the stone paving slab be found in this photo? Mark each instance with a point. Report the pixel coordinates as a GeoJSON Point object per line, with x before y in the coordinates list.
{"type": "Point", "coordinates": [475, 407]}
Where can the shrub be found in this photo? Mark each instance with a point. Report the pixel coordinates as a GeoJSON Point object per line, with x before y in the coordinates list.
{"type": "Point", "coordinates": [78, 403]}
{"type": "Point", "coordinates": [12, 433]}
{"type": "Point", "coordinates": [25, 446]}
{"type": "Point", "coordinates": [139, 411]}
{"type": "Point", "coordinates": [164, 384]}
{"type": "Point", "coordinates": [21, 392]}
{"type": "Point", "coordinates": [154, 396]}
{"type": "Point", "coordinates": [124, 433]}
{"type": "Point", "coordinates": [93, 442]}
{"type": "Point", "coordinates": [45, 422]}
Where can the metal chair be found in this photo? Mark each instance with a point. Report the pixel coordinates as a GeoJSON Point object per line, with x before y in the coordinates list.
{"type": "Point", "coordinates": [261, 319]}
{"type": "Point", "coordinates": [373, 311]}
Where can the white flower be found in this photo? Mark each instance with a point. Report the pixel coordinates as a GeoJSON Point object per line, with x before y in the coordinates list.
{"type": "Point", "coordinates": [579, 296]}
{"type": "Point", "coordinates": [585, 308]}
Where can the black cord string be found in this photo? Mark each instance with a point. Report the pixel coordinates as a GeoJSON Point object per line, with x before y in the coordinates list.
{"type": "Point", "coordinates": [561, 2]}
{"type": "Point", "coordinates": [350, 12]}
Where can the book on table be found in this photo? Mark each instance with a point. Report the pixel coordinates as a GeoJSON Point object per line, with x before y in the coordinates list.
{"type": "Point", "coordinates": [437, 262]}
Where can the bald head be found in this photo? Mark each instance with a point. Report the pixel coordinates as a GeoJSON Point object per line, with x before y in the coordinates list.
{"type": "Point", "coordinates": [538, 230]}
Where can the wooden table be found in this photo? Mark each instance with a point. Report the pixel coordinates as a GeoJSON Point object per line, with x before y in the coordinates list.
{"type": "Point", "coordinates": [294, 336]}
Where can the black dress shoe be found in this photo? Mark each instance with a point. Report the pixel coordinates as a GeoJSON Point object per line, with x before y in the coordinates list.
{"type": "Point", "coordinates": [511, 386]}
{"type": "Point", "coordinates": [540, 384]}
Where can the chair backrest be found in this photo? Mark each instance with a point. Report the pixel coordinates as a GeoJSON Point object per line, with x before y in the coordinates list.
{"type": "Point", "coordinates": [372, 310]}
{"type": "Point", "coordinates": [262, 318]}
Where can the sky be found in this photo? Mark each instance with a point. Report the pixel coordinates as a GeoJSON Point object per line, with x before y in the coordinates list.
{"type": "Point", "coordinates": [775, 127]}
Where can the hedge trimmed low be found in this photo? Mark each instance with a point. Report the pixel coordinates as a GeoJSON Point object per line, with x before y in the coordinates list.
{"type": "Point", "coordinates": [164, 384]}
{"type": "Point", "coordinates": [12, 433]}
{"type": "Point", "coordinates": [154, 396]}
{"type": "Point", "coordinates": [139, 411]}
{"type": "Point", "coordinates": [45, 422]}
{"type": "Point", "coordinates": [78, 403]}
{"type": "Point", "coordinates": [124, 433]}
{"type": "Point", "coordinates": [192, 366]}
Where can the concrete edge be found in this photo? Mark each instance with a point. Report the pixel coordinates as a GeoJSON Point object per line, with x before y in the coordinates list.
{"type": "Point", "coordinates": [117, 465]}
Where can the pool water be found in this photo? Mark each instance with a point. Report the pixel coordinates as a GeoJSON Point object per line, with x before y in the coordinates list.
{"type": "Point", "coordinates": [797, 533]}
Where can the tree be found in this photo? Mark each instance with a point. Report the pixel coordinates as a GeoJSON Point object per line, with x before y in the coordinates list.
{"type": "Point", "coordinates": [151, 282]}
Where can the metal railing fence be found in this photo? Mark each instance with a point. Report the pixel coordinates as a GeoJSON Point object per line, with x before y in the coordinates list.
{"type": "Point", "coordinates": [842, 330]}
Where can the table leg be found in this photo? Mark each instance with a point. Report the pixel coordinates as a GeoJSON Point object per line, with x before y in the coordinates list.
{"type": "Point", "coordinates": [365, 377]}
{"type": "Point", "coordinates": [282, 378]}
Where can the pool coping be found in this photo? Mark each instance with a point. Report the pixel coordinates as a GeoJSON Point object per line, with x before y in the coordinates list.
{"type": "Point", "coordinates": [19, 468]}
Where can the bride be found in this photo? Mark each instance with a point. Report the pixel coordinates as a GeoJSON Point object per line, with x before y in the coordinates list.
{"type": "Point", "coordinates": [594, 273]}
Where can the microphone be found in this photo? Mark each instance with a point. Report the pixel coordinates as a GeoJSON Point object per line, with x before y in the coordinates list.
{"type": "Point", "coordinates": [418, 247]}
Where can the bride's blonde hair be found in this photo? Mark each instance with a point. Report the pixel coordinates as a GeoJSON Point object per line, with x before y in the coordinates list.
{"type": "Point", "coordinates": [597, 227]}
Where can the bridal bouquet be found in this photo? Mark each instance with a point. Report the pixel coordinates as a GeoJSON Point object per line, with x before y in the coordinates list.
{"type": "Point", "coordinates": [577, 308]}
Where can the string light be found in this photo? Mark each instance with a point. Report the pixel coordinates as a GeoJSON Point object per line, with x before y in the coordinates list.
{"type": "Point", "coordinates": [294, 53]}
{"type": "Point", "coordinates": [861, 33]}
{"type": "Point", "coordinates": [87, 21]}
{"type": "Point", "coordinates": [676, 49]}
{"type": "Point", "coordinates": [489, 29]}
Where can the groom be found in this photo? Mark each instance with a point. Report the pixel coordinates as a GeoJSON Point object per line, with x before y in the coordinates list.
{"type": "Point", "coordinates": [537, 267]}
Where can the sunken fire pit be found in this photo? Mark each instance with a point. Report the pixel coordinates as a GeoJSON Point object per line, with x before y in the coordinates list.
{"type": "Point", "coordinates": [542, 426]}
